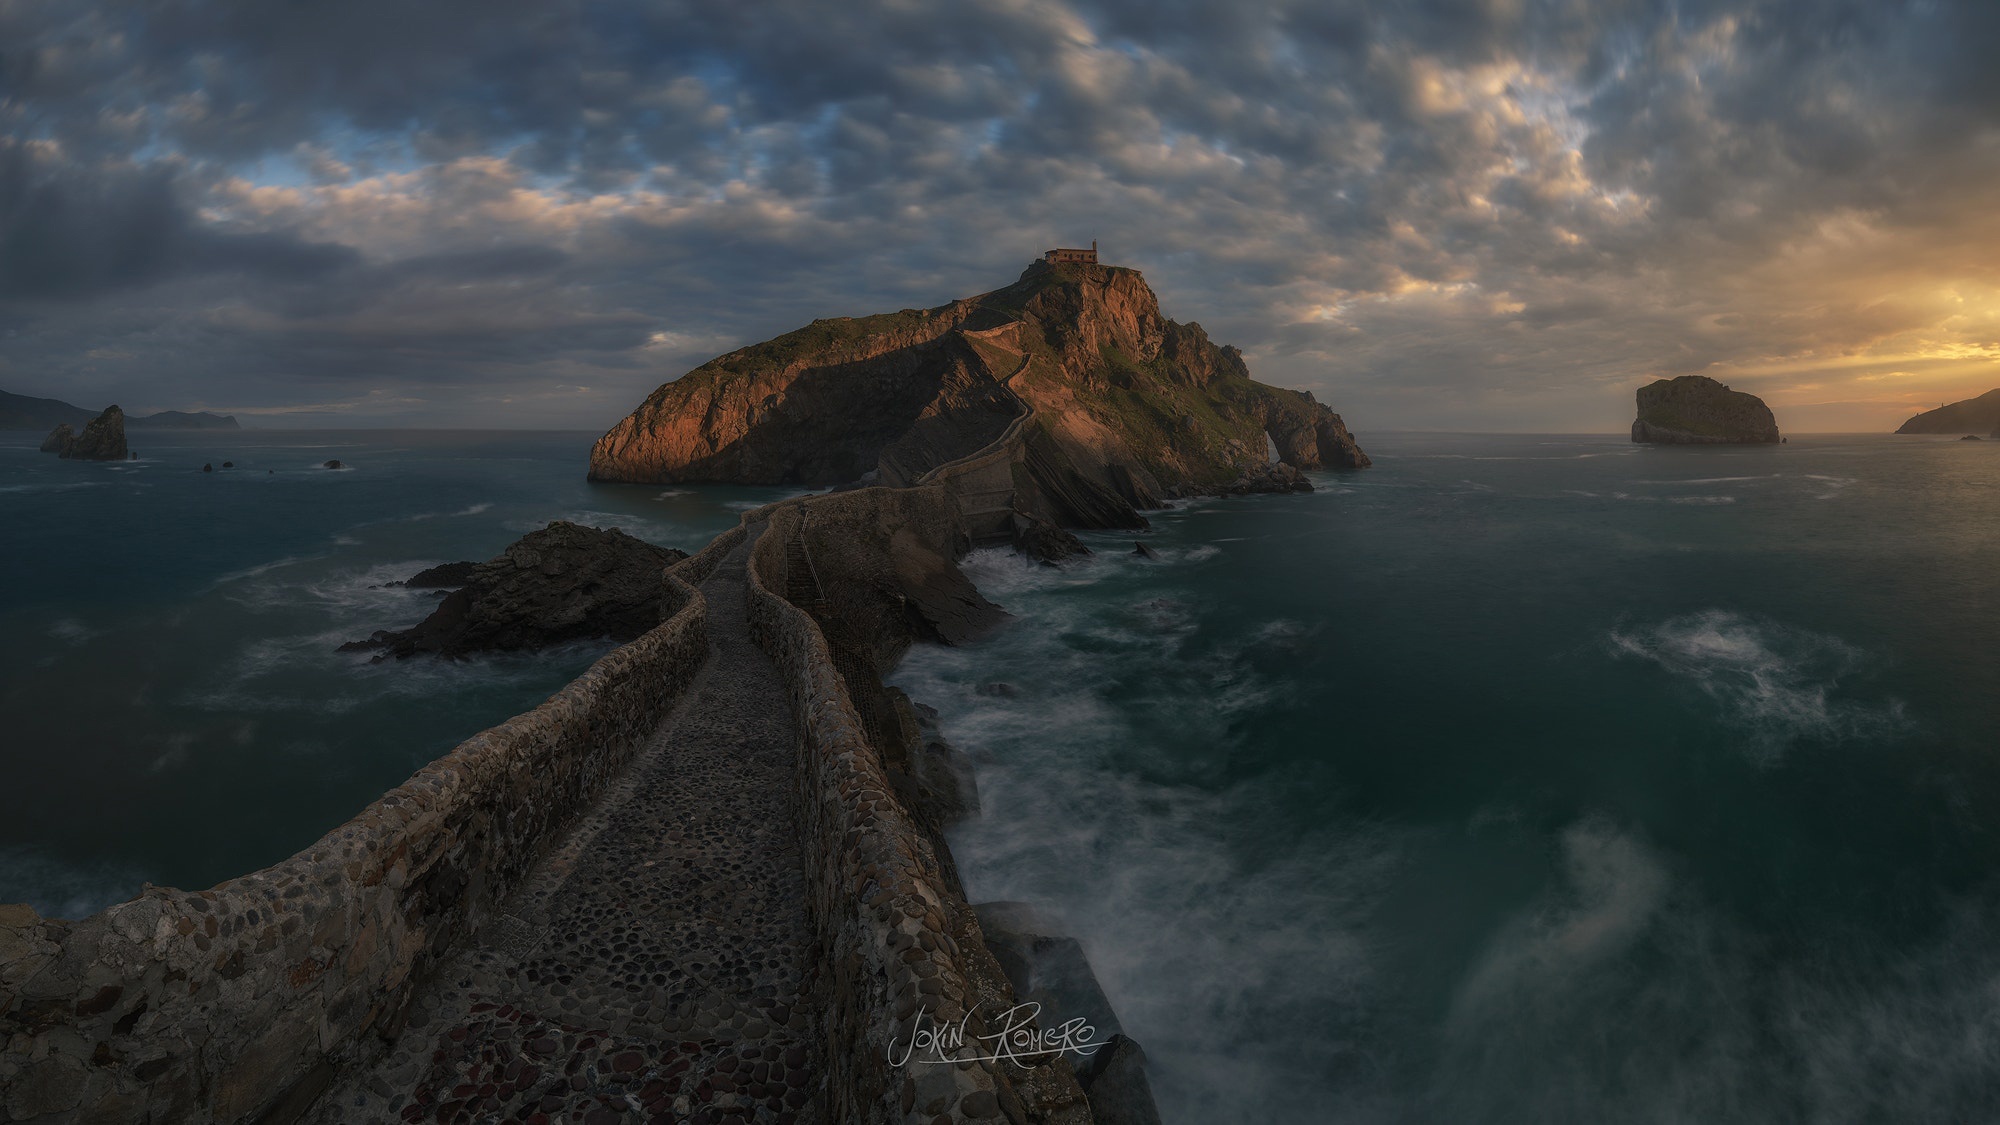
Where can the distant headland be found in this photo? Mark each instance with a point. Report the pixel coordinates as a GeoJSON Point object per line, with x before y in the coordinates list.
{"type": "Point", "coordinates": [22, 412]}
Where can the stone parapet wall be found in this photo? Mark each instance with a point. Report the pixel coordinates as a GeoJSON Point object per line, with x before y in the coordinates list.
{"type": "Point", "coordinates": [241, 1002]}
{"type": "Point", "coordinates": [896, 940]}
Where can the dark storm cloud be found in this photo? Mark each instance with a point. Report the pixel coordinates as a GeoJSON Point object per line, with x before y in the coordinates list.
{"type": "Point", "coordinates": [1453, 212]}
{"type": "Point", "coordinates": [71, 234]}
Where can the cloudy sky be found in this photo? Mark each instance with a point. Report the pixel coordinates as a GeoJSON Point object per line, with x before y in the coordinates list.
{"type": "Point", "coordinates": [1449, 214]}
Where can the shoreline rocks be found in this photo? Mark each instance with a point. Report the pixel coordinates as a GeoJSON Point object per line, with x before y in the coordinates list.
{"type": "Point", "coordinates": [1697, 410]}
{"type": "Point", "coordinates": [562, 583]}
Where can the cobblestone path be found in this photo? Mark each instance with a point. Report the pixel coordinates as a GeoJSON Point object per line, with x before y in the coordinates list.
{"type": "Point", "coordinates": [657, 966]}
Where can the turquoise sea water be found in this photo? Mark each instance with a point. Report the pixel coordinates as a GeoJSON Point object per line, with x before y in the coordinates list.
{"type": "Point", "coordinates": [1524, 779]}
{"type": "Point", "coordinates": [1520, 778]}
{"type": "Point", "coordinates": [174, 708]}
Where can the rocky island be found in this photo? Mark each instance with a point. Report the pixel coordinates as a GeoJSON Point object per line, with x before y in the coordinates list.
{"type": "Point", "coordinates": [1113, 406]}
{"type": "Point", "coordinates": [1697, 410]}
{"type": "Point", "coordinates": [562, 583]}
{"type": "Point", "coordinates": [103, 439]}
{"type": "Point", "coordinates": [1966, 416]}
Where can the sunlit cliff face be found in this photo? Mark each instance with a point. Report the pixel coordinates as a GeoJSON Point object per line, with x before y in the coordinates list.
{"type": "Point", "coordinates": [1454, 214]}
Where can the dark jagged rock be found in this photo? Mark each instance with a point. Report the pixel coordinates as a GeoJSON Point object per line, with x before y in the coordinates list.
{"type": "Point", "coordinates": [1268, 478]}
{"type": "Point", "coordinates": [1040, 539]}
{"type": "Point", "coordinates": [1114, 1080]}
{"type": "Point", "coordinates": [334, 464]}
{"type": "Point", "coordinates": [442, 575]}
{"type": "Point", "coordinates": [229, 464]}
{"type": "Point", "coordinates": [1048, 968]}
{"type": "Point", "coordinates": [102, 440]}
{"type": "Point", "coordinates": [1981, 414]}
{"type": "Point", "coordinates": [1972, 437]}
{"type": "Point", "coordinates": [58, 439]}
{"type": "Point", "coordinates": [1144, 551]}
{"type": "Point", "coordinates": [207, 467]}
{"type": "Point", "coordinates": [1697, 410]}
{"type": "Point", "coordinates": [561, 583]}
{"type": "Point", "coordinates": [1127, 405]}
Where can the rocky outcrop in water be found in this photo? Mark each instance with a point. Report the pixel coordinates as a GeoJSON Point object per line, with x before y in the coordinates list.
{"type": "Point", "coordinates": [102, 440]}
{"type": "Point", "coordinates": [1966, 416]}
{"type": "Point", "coordinates": [562, 583]}
{"type": "Point", "coordinates": [58, 439]}
{"type": "Point", "coordinates": [1697, 410]}
{"type": "Point", "coordinates": [1049, 968]}
{"type": "Point", "coordinates": [1127, 405]}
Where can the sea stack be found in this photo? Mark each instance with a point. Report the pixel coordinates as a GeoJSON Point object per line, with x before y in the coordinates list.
{"type": "Point", "coordinates": [1697, 410]}
{"type": "Point", "coordinates": [58, 439]}
{"type": "Point", "coordinates": [102, 440]}
{"type": "Point", "coordinates": [1114, 407]}
{"type": "Point", "coordinates": [561, 583]}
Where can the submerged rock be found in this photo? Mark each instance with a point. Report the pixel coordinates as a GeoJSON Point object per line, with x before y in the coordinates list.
{"type": "Point", "coordinates": [1144, 551]}
{"type": "Point", "coordinates": [562, 583]}
{"type": "Point", "coordinates": [1697, 410]}
{"type": "Point", "coordinates": [334, 464]}
{"type": "Point", "coordinates": [1972, 437]}
{"type": "Point", "coordinates": [58, 439]}
{"type": "Point", "coordinates": [102, 440]}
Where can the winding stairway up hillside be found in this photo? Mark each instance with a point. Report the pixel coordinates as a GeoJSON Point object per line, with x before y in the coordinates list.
{"type": "Point", "coordinates": [659, 965]}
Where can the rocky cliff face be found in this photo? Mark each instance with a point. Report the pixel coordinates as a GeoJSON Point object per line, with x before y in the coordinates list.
{"type": "Point", "coordinates": [1128, 406]}
{"type": "Point", "coordinates": [1697, 410]}
{"type": "Point", "coordinates": [1967, 416]}
{"type": "Point", "coordinates": [58, 439]}
{"type": "Point", "coordinates": [561, 583]}
{"type": "Point", "coordinates": [102, 440]}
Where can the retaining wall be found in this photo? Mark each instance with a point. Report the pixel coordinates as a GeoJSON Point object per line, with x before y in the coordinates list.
{"type": "Point", "coordinates": [241, 1002]}
{"type": "Point", "coordinates": [891, 931]}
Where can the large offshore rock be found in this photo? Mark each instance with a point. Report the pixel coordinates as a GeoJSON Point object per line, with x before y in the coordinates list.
{"type": "Point", "coordinates": [1697, 410]}
{"type": "Point", "coordinates": [102, 440]}
{"type": "Point", "coordinates": [1127, 405]}
{"type": "Point", "coordinates": [58, 439]}
{"type": "Point", "coordinates": [562, 583]}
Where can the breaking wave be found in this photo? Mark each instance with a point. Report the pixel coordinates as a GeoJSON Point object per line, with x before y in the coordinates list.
{"type": "Point", "coordinates": [1780, 685]}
